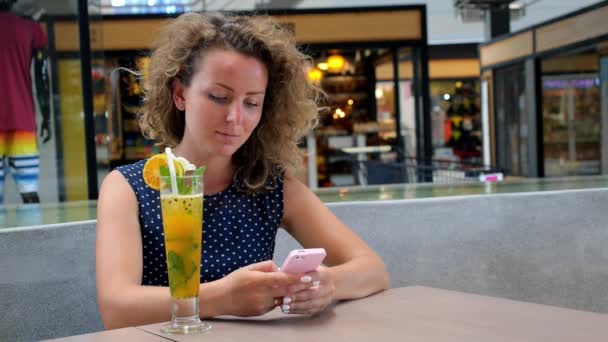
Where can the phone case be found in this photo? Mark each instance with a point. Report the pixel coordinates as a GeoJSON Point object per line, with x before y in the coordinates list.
{"type": "Point", "coordinates": [303, 260]}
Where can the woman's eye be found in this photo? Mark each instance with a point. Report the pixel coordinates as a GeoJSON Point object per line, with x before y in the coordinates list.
{"type": "Point", "coordinates": [252, 104]}
{"type": "Point", "coordinates": [218, 99]}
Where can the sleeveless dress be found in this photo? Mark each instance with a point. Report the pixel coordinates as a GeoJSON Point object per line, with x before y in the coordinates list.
{"type": "Point", "coordinates": [238, 228]}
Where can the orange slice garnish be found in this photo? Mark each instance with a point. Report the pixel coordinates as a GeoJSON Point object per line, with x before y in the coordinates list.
{"type": "Point", "coordinates": [151, 171]}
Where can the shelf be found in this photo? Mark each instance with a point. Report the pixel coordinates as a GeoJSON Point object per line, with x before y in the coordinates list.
{"type": "Point", "coordinates": [354, 95]}
{"type": "Point", "coordinates": [578, 141]}
{"type": "Point", "coordinates": [343, 78]}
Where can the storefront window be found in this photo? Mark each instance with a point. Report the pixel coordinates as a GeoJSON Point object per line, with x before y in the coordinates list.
{"type": "Point", "coordinates": [361, 112]}
{"type": "Point", "coordinates": [456, 120]}
{"type": "Point", "coordinates": [571, 114]}
{"type": "Point", "coordinates": [55, 92]}
{"type": "Point", "coordinates": [511, 121]}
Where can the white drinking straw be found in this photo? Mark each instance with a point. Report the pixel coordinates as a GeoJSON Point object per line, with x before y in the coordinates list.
{"type": "Point", "coordinates": [171, 170]}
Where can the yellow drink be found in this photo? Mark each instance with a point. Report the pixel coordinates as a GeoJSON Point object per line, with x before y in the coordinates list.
{"type": "Point", "coordinates": [183, 230]}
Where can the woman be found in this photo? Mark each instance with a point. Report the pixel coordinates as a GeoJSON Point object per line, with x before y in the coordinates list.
{"type": "Point", "coordinates": [228, 93]}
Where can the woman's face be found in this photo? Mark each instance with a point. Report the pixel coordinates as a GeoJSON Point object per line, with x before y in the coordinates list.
{"type": "Point", "coordinates": [223, 103]}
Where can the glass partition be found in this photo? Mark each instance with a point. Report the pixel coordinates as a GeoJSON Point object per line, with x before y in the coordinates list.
{"type": "Point", "coordinates": [55, 72]}
{"type": "Point", "coordinates": [456, 120]}
{"type": "Point", "coordinates": [367, 120]}
{"type": "Point", "coordinates": [511, 120]}
{"type": "Point", "coordinates": [571, 114]}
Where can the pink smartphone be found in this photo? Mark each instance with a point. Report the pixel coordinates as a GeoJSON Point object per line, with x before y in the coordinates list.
{"type": "Point", "coordinates": [303, 260]}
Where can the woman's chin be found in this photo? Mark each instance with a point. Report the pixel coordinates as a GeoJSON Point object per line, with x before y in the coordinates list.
{"type": "Point", "coordinates": [226, 150]}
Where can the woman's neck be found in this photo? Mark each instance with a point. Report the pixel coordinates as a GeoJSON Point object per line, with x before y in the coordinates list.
{"type": "Point", "coordinates": [219, 169]}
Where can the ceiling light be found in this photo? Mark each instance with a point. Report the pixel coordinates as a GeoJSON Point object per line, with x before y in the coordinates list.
{"type": "Point", "coordinates": [335, 63]}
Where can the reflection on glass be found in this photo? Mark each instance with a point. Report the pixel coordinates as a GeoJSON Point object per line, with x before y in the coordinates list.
{"type": "Point", "coordinates": [456, 120]}
{"type": "Point", "coordinates": [571, 124]}
{"type": "Point", "coordinates": [511, 121]}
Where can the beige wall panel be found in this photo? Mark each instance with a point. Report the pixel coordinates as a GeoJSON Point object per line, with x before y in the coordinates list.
{"type": "Point", "coordinates": [66, 36]}
{"type": "Point", "coordinates": [384, 72]}
{"type": "Point", "coordinates": [110, 34]}
{"type": "Point", "coordinates": [454, 68]}
{"type": "Point", "coordinates": [129, 34]}
{"type": "Point", "coordinates": [572, 30]}
{"type": "Point", "coordinates": [440, 68]}
{"type": "Point", "coordinates": [310, 28]}
{"type": "Point", "coordinates": [520, 45]}
{"type": "Point", "coordinates": [355, 27]}
{"type": "Point", "coordinates": [569, 64]}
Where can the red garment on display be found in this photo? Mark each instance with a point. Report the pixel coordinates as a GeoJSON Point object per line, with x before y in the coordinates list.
{"type": "Point", "coordinates": [18, 39]}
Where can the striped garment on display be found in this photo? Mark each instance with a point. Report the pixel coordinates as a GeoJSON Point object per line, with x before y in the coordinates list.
{"type": "Point", "coordinates": [19, 152]}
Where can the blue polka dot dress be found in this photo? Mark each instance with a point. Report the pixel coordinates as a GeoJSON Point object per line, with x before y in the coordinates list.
{"type": "Point", "coordinates": [238, 228]}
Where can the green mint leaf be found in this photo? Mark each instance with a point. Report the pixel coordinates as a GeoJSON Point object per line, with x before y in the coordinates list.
{"type": "Point", "coordinates": [164, 171]}
{"type": "Point", "coordinates": [200, 171]}
{"type": "Point", "coordinates": [176, 264]}
{"type": "Point", "coordinates": [176, 270]}
{"type": "Point", "coordinates": [193, 267]}
{"type": "Point", "coordinates": [182, 187]}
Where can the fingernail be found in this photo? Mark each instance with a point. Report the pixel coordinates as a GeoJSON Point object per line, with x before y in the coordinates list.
{"type": "Point", "coordinates": [286, 300]}
{"type": "Point", "coordinates": [285, 307]}
{"type": "Point", "coordinates": [306, 279]}
{"type": "Point", "coordinates": [316, 283]}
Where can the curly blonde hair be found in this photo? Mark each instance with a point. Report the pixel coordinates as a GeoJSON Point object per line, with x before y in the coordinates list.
{"type": "Point", "coordinates": [290, 104]}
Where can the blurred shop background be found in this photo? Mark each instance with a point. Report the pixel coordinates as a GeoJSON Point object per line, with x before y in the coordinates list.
{"type": "Point", "coordinates": [417, 95]}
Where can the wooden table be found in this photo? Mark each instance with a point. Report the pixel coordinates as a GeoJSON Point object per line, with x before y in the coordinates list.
{"type": "Point", "coordinates": [125, 334]}
{"type": "Point", "coordinates": [411, 314]}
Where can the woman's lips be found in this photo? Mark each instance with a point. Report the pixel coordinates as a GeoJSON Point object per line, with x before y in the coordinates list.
{"type": "Point", "coordinates": [227, 137]}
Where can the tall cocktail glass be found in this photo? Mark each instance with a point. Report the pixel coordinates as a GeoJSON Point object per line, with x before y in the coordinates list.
{"type": "Point", "coordinates": [182, 212]}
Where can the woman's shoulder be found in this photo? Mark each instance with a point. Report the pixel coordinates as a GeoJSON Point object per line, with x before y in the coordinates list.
{"type": "Point", "coordinates": [115, 187]}
{"type": "Point", "coordinates": [129, 176]}
{"type": "Point", "coordinates": [132, 168]}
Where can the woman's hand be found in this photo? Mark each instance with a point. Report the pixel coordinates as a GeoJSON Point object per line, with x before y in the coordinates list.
{"type": "Point", "coordinates": [311, 294]}
{"type": "Point", "coordinates": [253, 290]}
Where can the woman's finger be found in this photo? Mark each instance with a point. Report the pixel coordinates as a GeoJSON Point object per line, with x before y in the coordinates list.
{"type": "Point", "coordinates": [308, 307]}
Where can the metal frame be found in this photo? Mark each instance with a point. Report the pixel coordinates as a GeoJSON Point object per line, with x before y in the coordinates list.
{"type": "Point", "coordinates": [87, 97]}
{"type": "Point", "coordinates": [54, 80]}
{"type": "Point", "coordinates": [540, 145]}
{"type": "Point", "coordinates": [420, 45]}
{"type": "Point", "coordinates": [535, 58]}
{"type": "Point", "coordinates": [548, 22]}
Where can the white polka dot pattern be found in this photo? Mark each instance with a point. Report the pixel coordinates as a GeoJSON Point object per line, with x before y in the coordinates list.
{"type": "Point", "coordinates": [238, 228]}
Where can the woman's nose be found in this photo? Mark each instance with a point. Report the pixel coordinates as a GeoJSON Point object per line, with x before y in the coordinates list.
{"type": "Point", "coordinates": [235, 114]}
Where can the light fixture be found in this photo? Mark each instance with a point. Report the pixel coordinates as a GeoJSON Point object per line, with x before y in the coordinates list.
{"type": "Point", "coordinates": [379, 93]}
{"type": "Point", "coordinates": [314, 74]}
{"type": "Point", "coordinates": [335, 63]}
{"type": "Point", "coordinates": [323, 66]}
{"type": "Point", "coordinates": [446, 97]}
{"type": "Point", "coordinates": [516, 6]}
{"type": "Point", "coordinates": [458, 84]}
{"type": "Point", "coordinates": [350, 102]}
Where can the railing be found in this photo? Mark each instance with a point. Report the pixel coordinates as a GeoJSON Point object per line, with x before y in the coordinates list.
{"type": "Point", "coordinates": [373, 170]}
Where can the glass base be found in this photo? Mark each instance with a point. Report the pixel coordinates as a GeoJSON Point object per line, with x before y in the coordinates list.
{"type": "Point", "coordinates": [185, 320]}
{"type": "Point", "coordinates": [186, 326]}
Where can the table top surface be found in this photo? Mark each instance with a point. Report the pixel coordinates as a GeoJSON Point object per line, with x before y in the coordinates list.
{"type": "Point", "coordinates": [401, 314]}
